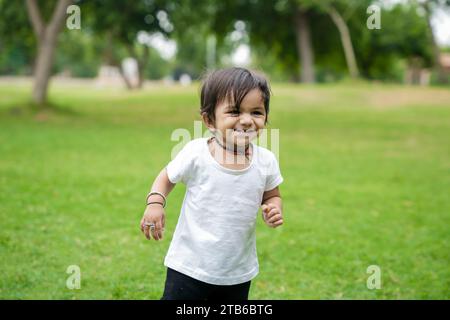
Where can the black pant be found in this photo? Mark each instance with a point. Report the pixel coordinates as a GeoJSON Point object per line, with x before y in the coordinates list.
{"type": "Point", "coordinates": [182, 287]}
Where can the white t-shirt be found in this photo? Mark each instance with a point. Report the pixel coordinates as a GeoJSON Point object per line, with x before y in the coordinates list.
{"type": "Point", "coordinates": [214, 240]}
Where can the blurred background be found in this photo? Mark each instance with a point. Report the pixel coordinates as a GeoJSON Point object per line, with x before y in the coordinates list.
{"type": "Point", "coordinates": [292, 41]}
{"type": "Point", "coordinates": [92, 90]}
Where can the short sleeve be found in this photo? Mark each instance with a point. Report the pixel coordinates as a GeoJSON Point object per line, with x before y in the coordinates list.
{"type": "Point", "coordinates": [180, 167]}
{"type": "Point", "coordinates": [273, 174]}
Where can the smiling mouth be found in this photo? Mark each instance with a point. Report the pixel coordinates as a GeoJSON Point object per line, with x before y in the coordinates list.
{"type": "Point", "coordinates": [243, 133]}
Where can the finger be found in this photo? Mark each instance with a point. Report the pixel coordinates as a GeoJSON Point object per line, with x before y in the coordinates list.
{"type": "Point", "coordinates": [264, 207]}
{"type": "Point", "coordinates": [272, 205]}
{"type": "Point", "coordinates": [142, 225]}
{"type": "Point", "coordinates": [146, 231]}
{"type": "Point", "coordinates": [163, 222]}
{"type": "Point", "coordinates": [153, 232]}
{"type": "Point", "coordinates": [275, 218]}
{"type": "Point", "coordinates": [272, 212]}
{"type": "Point", "coordinates": [277, 223]}
{"type": "Point", "coordinates": [158, 230]}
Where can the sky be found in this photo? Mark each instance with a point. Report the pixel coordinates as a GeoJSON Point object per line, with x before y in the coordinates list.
{"type": "Point", "coordinates": [441, 27]}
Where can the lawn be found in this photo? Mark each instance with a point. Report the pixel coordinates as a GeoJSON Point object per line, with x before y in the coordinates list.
{"type": "Point", "coordinates": [367, 182]}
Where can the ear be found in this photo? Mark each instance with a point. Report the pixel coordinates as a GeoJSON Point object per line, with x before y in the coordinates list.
{"type": "Point", "coordinates": [209, 124]}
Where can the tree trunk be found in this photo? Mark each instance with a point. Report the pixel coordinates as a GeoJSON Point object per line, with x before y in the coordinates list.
{"type": "Point", "coordinates": [141, 62]}
{"type": "Point", "coordinates": [46, 38]}
{"type": "Point", "coordinates": [124, 77]}
{"type": "Point", "coordinates": [142, 65]}
{"type": "Point", "coordinates": [346, 41]}
{"type": "Point", "coordinates": [111, 59]}
{"type": "Point", "coordinates": [42, 71]}
{"type": "Point", "coordinates": [304, 46]}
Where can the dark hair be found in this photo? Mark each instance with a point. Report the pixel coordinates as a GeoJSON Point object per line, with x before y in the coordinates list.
{"type": "Point", "coordinates": [231, 84]}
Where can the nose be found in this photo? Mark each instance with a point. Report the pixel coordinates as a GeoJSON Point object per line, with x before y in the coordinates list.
{"type": "Point", "coordinates": [245, 120]}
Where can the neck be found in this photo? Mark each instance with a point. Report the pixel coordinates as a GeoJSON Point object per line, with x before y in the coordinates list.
{"type": "Point", "coordinates": [235, 151]}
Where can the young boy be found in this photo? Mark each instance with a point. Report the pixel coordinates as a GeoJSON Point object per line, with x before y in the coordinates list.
{"type": "Point", "coordinates": [213, 251]}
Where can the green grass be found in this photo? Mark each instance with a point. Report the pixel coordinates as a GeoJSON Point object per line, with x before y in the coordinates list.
{"type": "Point", "coordinates": [366, 171]}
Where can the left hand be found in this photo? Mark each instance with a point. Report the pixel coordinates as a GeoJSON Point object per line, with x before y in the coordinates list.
{"type": "Point", "coordinates": [272, 215]}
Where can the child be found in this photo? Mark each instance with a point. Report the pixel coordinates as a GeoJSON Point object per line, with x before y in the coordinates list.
{"type": "Point", "coordinates": [213, 251]}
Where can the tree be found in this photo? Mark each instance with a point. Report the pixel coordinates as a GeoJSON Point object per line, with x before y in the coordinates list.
{"type": "Point", "coordinates": [119, 22]}
{"type": "Point", "coordinates": [192, 29]}
{"type": "Point", "coordinates": [429, 6]}
{"type": "Point", "coordinates": [402, 40]}
{"type": "Point", "coordinates": [17, 49]}
{"type": "Point", "coordinates": [302, 12]}
{"type": "Point", "coordinates": [304, 45]}
{"type": "Point", "coordinates": [283, 26]}
{"type": "Point", "coordinates": [46, 36]}
{"type": "Point", "coordinates": [334, 9]}
{"type": "Point", "coordinates": [341, 24]}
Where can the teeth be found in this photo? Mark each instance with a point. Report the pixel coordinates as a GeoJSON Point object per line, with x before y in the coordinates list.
{"type": "Point", "coordinates": [248, 131]}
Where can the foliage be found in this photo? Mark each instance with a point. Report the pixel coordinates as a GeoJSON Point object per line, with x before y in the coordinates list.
{"type": "Point", "coordinates": [113, 25]}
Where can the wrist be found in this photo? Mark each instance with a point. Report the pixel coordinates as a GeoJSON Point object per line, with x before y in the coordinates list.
{"type": "Point", "coordinates": [153, 204]}
{"type": "Point", "coordinates": [272, 198]}
{"type": "Point", "coordinates": [156, 196]}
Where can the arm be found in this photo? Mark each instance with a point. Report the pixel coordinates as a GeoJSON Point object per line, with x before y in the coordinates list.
{"type": "Point", "coordinates": [272, 208]}
{"type": "Point", "coordinates": [161, 184]}
{"type": "Point", "coordinates": [155, 213]}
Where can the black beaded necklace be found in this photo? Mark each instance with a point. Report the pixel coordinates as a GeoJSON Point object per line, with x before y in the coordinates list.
{"type": "Point", "coordinates": [234, 151]}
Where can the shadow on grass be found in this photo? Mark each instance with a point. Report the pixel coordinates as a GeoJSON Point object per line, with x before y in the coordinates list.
{"type": "Point", "coordinates": [40, 112]}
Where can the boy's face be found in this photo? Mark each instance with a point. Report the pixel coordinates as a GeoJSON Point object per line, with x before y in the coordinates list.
{"type": "Point", "coordinates": [239, 127]}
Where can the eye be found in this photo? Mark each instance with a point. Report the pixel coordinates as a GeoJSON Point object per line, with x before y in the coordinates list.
{"type": "Point", "coordinates": [233, 112]}
{"type": "Point", "coordinates": [258, 113]}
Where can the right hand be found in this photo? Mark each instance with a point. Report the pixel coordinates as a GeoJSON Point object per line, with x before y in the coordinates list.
{"type": "Point", "coordinates": [154, 213]}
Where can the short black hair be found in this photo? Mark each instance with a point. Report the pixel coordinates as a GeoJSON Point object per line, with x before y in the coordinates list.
{"type": "Point", "coordinates": [232, 84]}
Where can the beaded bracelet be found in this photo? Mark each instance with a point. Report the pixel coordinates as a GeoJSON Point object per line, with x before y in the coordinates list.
{"type": "Point", "coordinates": [158, 193]}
